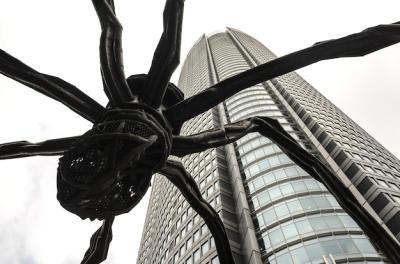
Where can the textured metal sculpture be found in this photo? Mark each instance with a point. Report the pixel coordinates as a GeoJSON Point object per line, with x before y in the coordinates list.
{"type": "Point", "coordinates": [107, 170]}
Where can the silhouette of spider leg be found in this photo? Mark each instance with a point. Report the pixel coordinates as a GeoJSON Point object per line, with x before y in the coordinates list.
{"type": "Point", "coordinates": [112, 68]}
{"type": "Point", "coordinates": [176, 173]}
{"type": "Point", "coordinates": [167, 55]}
{"type": "Point", "coordinates": [271, 129]}
{"type": "Point", "coordinates": [99, 244]}
{"type": "Point", "coordinates": [50, 86]}
{"type": "Point", "coordinates": [359, 44]}
{"type": "Point", "coordinates": [20, 149]}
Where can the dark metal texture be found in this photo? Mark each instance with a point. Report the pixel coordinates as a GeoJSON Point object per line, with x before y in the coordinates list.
{"type": "Point", "coordinates": [51, 86]}
{"type": "Point", "coordinates": [112, 68]}
{"type": "Point", "coordinates": [99, 243]}
{"type": "Point", "coordinates": [49, 147]}
{"type": "Point", "coordinates": [107, 170]}
{"type": "Point", "coordinates": [167, 55]}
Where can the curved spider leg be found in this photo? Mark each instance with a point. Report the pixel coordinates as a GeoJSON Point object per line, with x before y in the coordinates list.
{"type": "Point", "coordinates": [112, 68]}
{"type": "Point", "coordinates": [176, 173]}
{"type": "Point", "coordinates": [20, 149]}
{"type": "Point", "coordinates": [271, 129]}
{"type": "Point", "coordinates": [51, 86]}
{"type": "Point", "coordinates": [167, 55]}
{"type": "Point", "coordinates": [99, 244]}
{"type": "Point", "coordinates": [359, 44]}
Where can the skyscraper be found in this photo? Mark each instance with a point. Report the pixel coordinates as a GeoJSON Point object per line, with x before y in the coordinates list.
{"type": "Point", "coordinates": [274, 212]}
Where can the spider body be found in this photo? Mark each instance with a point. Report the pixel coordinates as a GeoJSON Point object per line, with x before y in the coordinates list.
{"type": "Point", "coordinates": [107, 170]}
{"type": "Point", "coordinates": [92, 179]}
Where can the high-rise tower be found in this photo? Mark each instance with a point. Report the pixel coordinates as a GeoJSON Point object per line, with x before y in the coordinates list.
{"type": "Point", "coordinates": [274, 212]}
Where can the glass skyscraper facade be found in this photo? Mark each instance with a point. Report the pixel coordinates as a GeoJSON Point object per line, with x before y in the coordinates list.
{"type": "Point", "coordinates": [274, 212]}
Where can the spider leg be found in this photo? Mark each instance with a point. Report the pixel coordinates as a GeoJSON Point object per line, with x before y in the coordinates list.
{"type": "Point", "coordinates": [50, 86]}
{"type": "Point", "coordinates": [176, 173]}
{"type": "Point", "coordinates": [50, 147]}
{"type": "Point", "coordinates": [99, 244]}
{"type": "Point", "coordinates": [112, 68]}
{"type": "Point", "coordinates": [166, 57]}
{"type": "Point", "coordinates": [359, 44]}
{"type": "Point", "coordinates": [271, 129]}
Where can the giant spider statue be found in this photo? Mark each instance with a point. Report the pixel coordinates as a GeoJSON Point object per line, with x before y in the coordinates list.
{"type": "Point", "coordinates": [107, 170]}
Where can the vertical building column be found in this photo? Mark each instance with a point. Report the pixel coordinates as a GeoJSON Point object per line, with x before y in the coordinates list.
{"type": "Point", "coordinates": [250, 248]}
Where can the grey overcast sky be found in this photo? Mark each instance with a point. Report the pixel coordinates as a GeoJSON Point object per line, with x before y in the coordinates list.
{"type": "Point", "coordinates": [61, 38]}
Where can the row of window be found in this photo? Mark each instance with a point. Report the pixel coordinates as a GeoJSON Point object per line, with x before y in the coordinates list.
{"type": "Point", "coordinates": [196, 158]}
{"type": "Point", "coordinates": [374, 170]}
{"type": "Point", "coordinates": [350, 135]}
{"type": "Point", "coordinates": [257, 111]}
{"type": "Point", "coordinates": [313, 251]}
{"type": "Point", "coordinates": [274, 176]}
{"type": "Point", "coordinates": [251, 143]}
{"type": "Point", "coordinates": [198, 161]}
{"type": "Point", "coordinates": [197, 119]}
{"type": "Point", "coordinates": [385, 184]}
{"type": "Point", "coordinates": [255, 96]}
{"type": "Point", "coordinates": [208, 179]}
{"type": "Point", "coordinates": [354, 136]}
{"type": "Point", "coordinates": [366, 151]}
{"type": "Point", "coordinates": [266, 164]}
{"type": "Point", "coordinates": [371, 158]}
{"type": "Point", "coordinates": [268, 104]}
{"type": "Point", "coordinates": [249, 137]}
{"type": "Point", "coordinates": [370, 148]}
{"type": "Point", "coordinates": [180, 257]}
{"type": "Point", "coordinates": [228, 72]}
{"type": "Point", "coordinates": [365, 158]}
{"type": "Point", "coordinates": [210, 190]}
{"type": "Point", "coordinates": [307, 226]}
{"type": "Point", "coordinates": [199, 124]}
{"type": "Point", "coordinates": [206, 169]}
{"type": "Point", "coordinates": [203, 231]}
{"type": "Point", "coordinates": [260, 153]}
{"type": "Point", "coordinates": [223, 64]}
{"type": "Point", "coordinates": [286, 189]}
{"type": "Point", "coordinates": [295, 206]}
{"type": "Point", "coordinates": [247, 93]}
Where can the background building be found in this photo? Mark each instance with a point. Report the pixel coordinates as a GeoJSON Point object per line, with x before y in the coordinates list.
{"type": "Point", "coordinates": [274, 212]}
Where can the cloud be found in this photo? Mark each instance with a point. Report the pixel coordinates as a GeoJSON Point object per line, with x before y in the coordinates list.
{"type": "Point", "coordinates": [34, 228]}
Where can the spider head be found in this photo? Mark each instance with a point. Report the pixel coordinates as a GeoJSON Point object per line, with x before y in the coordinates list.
{"type": "Point", "coordinates": [107, 172]}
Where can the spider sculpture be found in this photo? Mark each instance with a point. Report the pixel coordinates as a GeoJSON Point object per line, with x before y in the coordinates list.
{"type": "Point", "coordinates": [107, 170]}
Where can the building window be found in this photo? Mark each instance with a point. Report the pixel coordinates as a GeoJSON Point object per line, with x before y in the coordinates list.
{"type": "Point", "coordinates": [204, 229]}
{"type": "Point", "coordinates": [176, 257]}
{"type": "Point", "coordinates": [189, 243]}
{"type": "Point", "coordinates": [196, 236]}
{"type": "Point", "coordinates": [182, 251]}
{"type": "Point", "coordinates": [204, 248]}
{"type": "Point", "coordinates": [215, 260]}
{"type": "Point", "coordinates": [196, 255]}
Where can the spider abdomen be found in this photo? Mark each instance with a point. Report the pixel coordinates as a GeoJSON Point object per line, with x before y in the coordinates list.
{"type": "Point", "coordinates": [109, 170]}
